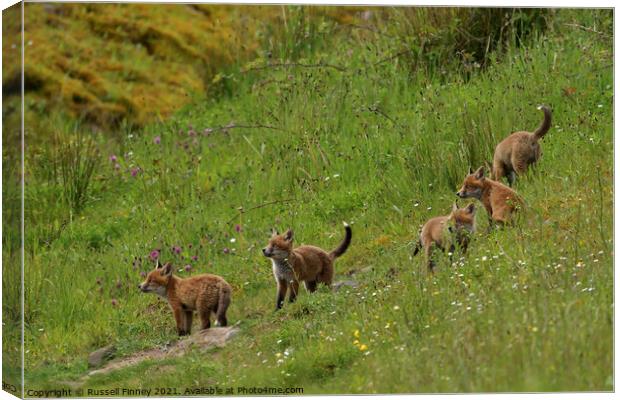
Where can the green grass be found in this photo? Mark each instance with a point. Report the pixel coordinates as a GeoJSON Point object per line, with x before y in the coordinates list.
{"type": "Point", "coordinates": [527, 309]}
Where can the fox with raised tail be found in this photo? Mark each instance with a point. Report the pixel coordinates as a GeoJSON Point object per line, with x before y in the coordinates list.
{"type": "Point", "coordinates": [446, 232]}
{"type": "Point", "coordinates": [207, 294]}
{"type": "Point", "coordinates": [309, 264]}
{"type": "Point", "coordinates": [519, 150]}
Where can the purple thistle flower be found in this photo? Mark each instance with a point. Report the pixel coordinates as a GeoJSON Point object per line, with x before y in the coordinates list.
{"type": "Point", "coordinates": [190, 245]}
{"type": "Point", "coordinates": [113, 158]}
{"type": "Point", "coordinates": [194, 258]}
{"type": "Point", "coordinates": [114, 302]}
{"type": "Point", "coordinates": [134, 171]}
{"type": "Point", "coordinates": [238, 228]}
{"type": "Point", "coordinates": [117, 166]}
{"type": "Point", "coordinates": [176, 249]}
{"type": "Point", "coordinates": [188, 268]}
{"type": "Point", "coordinates": [143, 274]}
{"type": "Point", "coordinates": [191, 132]}
{"type": "Point", "coordinates": [226, 250]}
{"type": "Point", "coordinates": [157, 140]}
{"type": "Point", "coordinates": [154, 255]}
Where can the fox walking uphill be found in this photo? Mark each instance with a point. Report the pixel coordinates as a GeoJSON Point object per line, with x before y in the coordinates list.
{"type": "Point", "coordinates": [204, 293]}
{"type": "Point", "coordinates": [514, 154]}
{"type": "Point", "coordinates": [309, 264]}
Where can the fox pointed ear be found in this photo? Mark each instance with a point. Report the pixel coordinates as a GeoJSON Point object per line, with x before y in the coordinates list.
{"type": "Point", "coordinates": [288, 235]}
{"type": "Point", "coordinates": [479, 174]}
{"type": "Point", "coordinates": [158, 264]}
{"type": "Point", "coordinates": [455, 206]}
{"type": "Point", "coordinates": [167, 269]}
{"type": "Point", "coordinates": [471, 208]}
{"type": "Point", "coordinates": [274, 232]}
{"type": "Point", "coordinates": [471, 171]}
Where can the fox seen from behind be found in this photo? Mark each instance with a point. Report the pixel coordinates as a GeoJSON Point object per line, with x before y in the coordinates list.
{"type": "Point", "coordinates": [446, 232]}
{"type": "Point", "coordinates": [203, 293]}
{"type": "Point", "coordinates": [306, 263]}
{"type": "Point", "coordinates": [519, 150]}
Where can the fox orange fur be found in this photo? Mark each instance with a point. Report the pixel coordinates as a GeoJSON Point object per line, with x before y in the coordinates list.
{"type": "Point", "coordinates": [309, 264]}
{"type": "Point", "coordinates": [447, 230]}
{"type": "Point", "coordinates": [500, 201]}
{"type": "Point", "coordinates": [519, 150]}
{"type": "Point", "coordinates": [204, 293]}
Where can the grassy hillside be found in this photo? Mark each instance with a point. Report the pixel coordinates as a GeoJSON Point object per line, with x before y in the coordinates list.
{"type": "Point", "coordinates": [363, 131]}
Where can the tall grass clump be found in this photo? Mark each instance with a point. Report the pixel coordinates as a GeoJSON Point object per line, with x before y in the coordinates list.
{"type": "Point", "coordinates": [78, 158]}
{"type": "Point", "coordinates": [443, 41]}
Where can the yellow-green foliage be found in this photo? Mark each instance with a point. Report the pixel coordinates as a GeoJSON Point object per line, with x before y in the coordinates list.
{"type": "Point", "coordinates": [112, 62]}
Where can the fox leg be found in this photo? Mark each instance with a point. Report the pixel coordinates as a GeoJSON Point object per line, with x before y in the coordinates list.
{"type": "Point", "coordinates": [310, 285]}
{"type": "Point", "coordinates": [326, 275]}
{"type": "Point", "coordinates": [498, 170]}
{"type": "Point", "coordinates": [221, 320]}
{"type": "Point", "coordinates": [464, 245]}
{"type": "Point", "coordinates": [188, 321]}
{"type": "Point", "coordinates": [222, 307]}
{"type": "Point", "coordinates": [428, 252]}
{"type": "Point", "coordinates": [512, 176]}
{"type": "Point", "coordinates": [205, 317]}
{"type": "Point", "coordinates": [294, 290]}
{"type": "Point", "coordinates": [282, 287]}
{"type": "Point", "coordinates": [499, 218]}
{"type": "Point", "coordinates": [179, 317]}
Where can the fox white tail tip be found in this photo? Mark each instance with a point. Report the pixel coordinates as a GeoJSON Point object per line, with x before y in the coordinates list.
{"type": "Point", "coordinates": [345, 224]}
{"type": "Point", "coordinates": [540, 107]}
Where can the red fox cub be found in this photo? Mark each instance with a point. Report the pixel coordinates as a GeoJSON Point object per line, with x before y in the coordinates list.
{"type": "Point", "coordinates": [499, 200]}
{"type": "Point", "coordinates": [520, 149]}
{"type": "Point", "coordinates": [309, 264]}
{"type": "Point", "coordinates": [447, 231]}
{"type": "Point", "coordinates": [204, 293]}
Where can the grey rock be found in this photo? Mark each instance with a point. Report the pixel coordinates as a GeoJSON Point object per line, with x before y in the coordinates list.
{"type": "Point", "coordinates": [339, 285]}
{"type": "Point", "coordinates": [98, 357]}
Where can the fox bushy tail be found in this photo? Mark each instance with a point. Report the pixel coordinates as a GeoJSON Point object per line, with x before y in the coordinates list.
{"type": "Point", "coordinates": [344, 245]}
{"type": "Point", "coordinates": [545, 125]}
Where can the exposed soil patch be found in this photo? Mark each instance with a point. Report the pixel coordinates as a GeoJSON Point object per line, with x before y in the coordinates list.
{"type": "Point", "coordinates": [208, 338]}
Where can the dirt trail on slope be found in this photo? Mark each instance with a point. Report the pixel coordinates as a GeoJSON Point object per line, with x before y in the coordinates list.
{"type": "Point", "coordinates": [208, 338]}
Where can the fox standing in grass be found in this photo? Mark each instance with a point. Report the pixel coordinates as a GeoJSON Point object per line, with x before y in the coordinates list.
{"type": "Point", "coordinates": [452, 229]}
{"type": "Point", "coordinates": [500, 201]}
{"type": "Point", "coordinates": [514, 154]}
{"type": "Point", "coordinates": [204, 293]}
{"type": "Point", "coordinates": [309, 264]}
